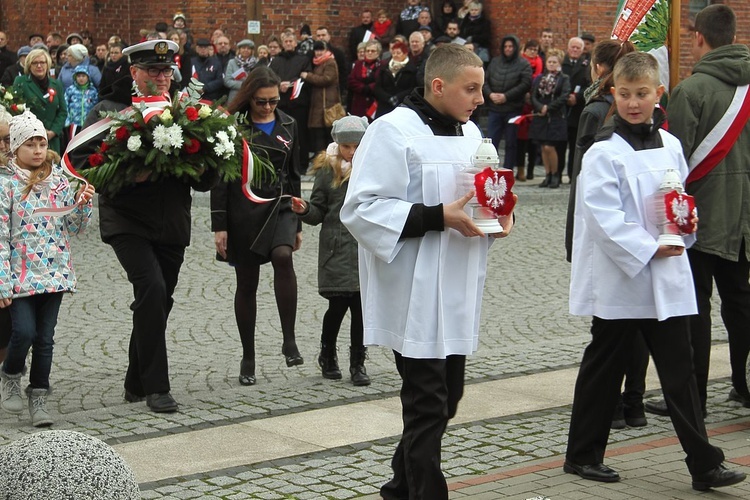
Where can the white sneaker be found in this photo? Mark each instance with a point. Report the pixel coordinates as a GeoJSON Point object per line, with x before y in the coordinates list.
{"type": "Point", "coordinates": [40, 417]}
{"type": "Point", "coordinates": [12, 402]}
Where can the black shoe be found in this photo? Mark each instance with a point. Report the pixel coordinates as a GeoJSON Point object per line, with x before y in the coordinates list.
{"type": "Point", "coordinates": [716, 478]}
{"type": "Point", "coordinates": [658, 407]}
{"type": "Point", "coordinates": [618, 419]}
{"type": "Point", "coordinates": [247, 372]}
{"type": "Point", "coordinates": [598, 472]}
{"type": "Point", "coordinates": [292, 356]}
{"type": "Point", "coordinates": [546, 181]}
{"type": "Point", "coordinates": [132, 398]}
{"type": "Point", "coordinates": [634, 415]}
{"type": "Point", "coordinates": [735, 395]}
{"type": "Point", "coordinates": [530, 173]}
{"type": "Point", "coordinates": [161, 403]}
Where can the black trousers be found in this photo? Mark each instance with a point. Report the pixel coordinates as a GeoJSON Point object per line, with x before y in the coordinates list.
{"type": "Point", "coordinates": [635, 373]}
{"type": "Point", "coordinates": [430, 392]}
{"type": "Point", "coordinates": [732, 284]}
{"type": "Point", "coordinates": [153, 270]}
{"type": "Point", "coordinates": [600, 376]}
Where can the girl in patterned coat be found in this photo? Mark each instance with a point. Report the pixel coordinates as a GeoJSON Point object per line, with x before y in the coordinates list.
{"type": "Point", "coordinates": [38, 212]}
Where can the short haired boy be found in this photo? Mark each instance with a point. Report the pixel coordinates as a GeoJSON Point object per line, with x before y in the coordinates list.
{"type": "Point", "coordinates": [422, 260]}
{"type": "Point", "coordinates": [630, 284]}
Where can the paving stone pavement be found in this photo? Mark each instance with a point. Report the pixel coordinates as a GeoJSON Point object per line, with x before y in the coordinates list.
{"type": "Point", "coordinates": [525, 329]}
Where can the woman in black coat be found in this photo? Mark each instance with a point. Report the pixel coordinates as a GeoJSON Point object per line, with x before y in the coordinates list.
{"type": "Point", "coordinates": [249, 234]}
{"type": "Point", "coordinates": [396, 79]}
{"type": "Point", "coordinates": [549, 127]}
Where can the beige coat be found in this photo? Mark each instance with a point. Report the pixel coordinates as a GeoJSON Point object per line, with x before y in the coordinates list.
{"type": "Point", "coordinates": [322, 77]}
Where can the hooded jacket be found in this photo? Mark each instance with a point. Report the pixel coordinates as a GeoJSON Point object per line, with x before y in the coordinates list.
{"type": "Point", "coordinates": [510, 76]}
{"type": "Point", "coordinates": [80, 99]}
{"type": "Point", "coordinates": [723, 196]}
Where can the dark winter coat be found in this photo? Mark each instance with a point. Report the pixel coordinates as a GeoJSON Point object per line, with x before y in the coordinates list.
{"type": "Point", "coordinates": [337, 252]}
{"type": "Point", "coordinates": [477, 31]}
{"type": "Point", "coordinates": [390, 90]}
{"type": "Point", "coordinates": [288, 65]}
{"type": "Point", "coordinates": [254, 229]}
{"type": "Point", "coordinates": [592, 119]}
{"type": "Point", "coordinates": [210, 74]}
{"type": "Point", "coordinates": [510, 76]}
{"type": "Point", "coordinates": [155, 211]}
{"type": "Point", "coordinates": [580, 79]}
{"type": "Point", "coordinates": [553, 126]}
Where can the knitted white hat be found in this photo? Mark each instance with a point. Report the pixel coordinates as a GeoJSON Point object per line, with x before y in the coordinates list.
{"type": "Point", "coordinates": [23, 127]}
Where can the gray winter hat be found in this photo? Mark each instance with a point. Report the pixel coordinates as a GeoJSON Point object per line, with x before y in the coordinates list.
{"type": "Point", "coordinates": [349, 129]}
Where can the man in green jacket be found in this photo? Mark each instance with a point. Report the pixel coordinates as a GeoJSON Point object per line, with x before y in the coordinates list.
{"type": "Point", "coordinates": [720, 183]}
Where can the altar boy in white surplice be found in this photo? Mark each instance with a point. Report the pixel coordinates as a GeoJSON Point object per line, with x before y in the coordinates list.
{"type": "Point", "coordinates": [630, 283]}
{"type": "Point", "coordinates": [422, 260]}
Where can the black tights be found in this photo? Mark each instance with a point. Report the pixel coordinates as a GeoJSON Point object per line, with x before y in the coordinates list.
{"type": "Point", "coordinates": [337, 307]}
{"type": "Point", "coordinates": [245, 299]}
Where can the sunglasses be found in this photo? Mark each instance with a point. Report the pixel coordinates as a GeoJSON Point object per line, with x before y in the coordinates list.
{"type": "Point", "coordinates": [264, 102]}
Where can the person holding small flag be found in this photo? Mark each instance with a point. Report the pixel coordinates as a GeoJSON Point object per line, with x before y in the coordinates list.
{"type": "Point", "coordinates": [239, 67]}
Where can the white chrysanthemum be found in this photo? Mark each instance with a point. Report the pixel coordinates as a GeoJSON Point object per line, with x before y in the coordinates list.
{"type": "Point", "coordinates": [204, 112]}
{"type": "Point", "coordinates": [162, 140]}
{"type": "Point", "coordinates": [232, 132]}
{"type": "Point", "coordinates": [134, 143]}
{"type": "Point", "coordinates": [175, 136]}
{"type": "Point", "coordinates": [222, 136]}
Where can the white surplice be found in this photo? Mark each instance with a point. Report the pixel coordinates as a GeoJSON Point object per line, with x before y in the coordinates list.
{"type": "Point", "coordinates": [613, 275]}
{"type": "Point", "coordinates": [420, 296]}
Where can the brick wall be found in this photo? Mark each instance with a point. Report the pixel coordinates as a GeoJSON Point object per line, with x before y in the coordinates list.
{"type": "Point", "coordinates": [524, 18]}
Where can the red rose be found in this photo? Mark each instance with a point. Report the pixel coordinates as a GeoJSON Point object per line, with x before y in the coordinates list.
{"type": "Point", "coordinates": [14, 107]}
{"type": "Point", "coordinates": [192, 146]}
{"type": "Point", "coordinates": [122, 133]}
{"type": "Point", "coordinates": [137, 125]}
{"type": "Point", "coordinates": [96, 159]}
{"type": "Point", "coordinates": [191, 113]}
{"type": "Point", "coordinates": [104, 147]}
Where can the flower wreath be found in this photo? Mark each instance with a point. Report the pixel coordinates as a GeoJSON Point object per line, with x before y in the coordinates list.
{"type": "Point", "coordinates": [159, 138]}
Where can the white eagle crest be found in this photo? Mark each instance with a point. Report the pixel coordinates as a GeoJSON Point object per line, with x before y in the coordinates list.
{"type": "Point", "coordinates": [495, 189]}
{"type": "Point", "coordinates": [680, 210]}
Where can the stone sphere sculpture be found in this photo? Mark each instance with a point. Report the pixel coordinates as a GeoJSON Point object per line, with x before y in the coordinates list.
{"type": "Point", "coordinates": [60, 464]}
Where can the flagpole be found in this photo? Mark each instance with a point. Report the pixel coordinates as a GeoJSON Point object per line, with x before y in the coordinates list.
{"type": "Point", "coordinates": [675, 11]}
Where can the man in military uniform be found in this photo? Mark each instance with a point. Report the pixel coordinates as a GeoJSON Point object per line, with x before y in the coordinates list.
{"type": "Point", "coordinates": [147, 224]}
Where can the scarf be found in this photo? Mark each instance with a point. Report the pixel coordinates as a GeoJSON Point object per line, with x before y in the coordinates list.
{"type": "Point", "coordinates": [368, 67]}
{"type": "Point", "coordinates": [332, 153]}
{"type": "Point", "coordinates": [380, 29]}
{"type": "Point", "coordinates": [395, 66]}
{"type": "Point", "coordinates": [317, 61]}
{"type": "Point", "coordinates": [548, 83]}
{"type": "Point", "coordinates": [592, 90]}
{"type": "Point", "coordinates": [246, 64]}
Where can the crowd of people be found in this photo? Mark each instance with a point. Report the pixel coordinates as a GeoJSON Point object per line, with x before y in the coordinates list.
{"type": "Point", "coordinates": [396, 244]}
